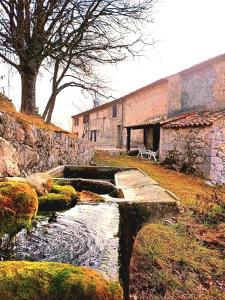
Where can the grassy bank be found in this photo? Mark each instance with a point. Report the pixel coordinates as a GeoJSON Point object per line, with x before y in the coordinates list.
{"type": "Point", "coordinates": [181, 258]}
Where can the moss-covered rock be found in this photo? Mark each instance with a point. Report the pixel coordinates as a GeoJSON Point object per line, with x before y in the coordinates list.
{"type": "Point", "coordinates": [18, 206]}
{"type": "Point", "coordinates": [65, 189]}
{"type": "Point", "coordinates": [54, 281]}
{"type": "Point", "coordinates": [61, 197]}
{"type": "Point", "coordinates": [86, 196]}
{"type": "Point", "coordinates": [53, 201]}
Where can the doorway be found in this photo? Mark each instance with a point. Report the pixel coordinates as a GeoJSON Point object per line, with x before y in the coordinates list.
{"type": "Point", "coordinates": [152, 137]}
{"type": "Point", "coordinates": [156, 137]}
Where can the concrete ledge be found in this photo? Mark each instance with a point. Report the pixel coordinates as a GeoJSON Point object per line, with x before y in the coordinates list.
{"type": "Point", "coordinates": [138, 187]}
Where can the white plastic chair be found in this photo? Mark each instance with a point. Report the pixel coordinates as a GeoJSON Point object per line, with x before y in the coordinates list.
{"type": "Point", "coordinates": [142, 151]}
{"type": "Point", "coordinates": [153, 154]}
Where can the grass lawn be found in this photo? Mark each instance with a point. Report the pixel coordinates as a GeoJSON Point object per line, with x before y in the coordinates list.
{"type": "Point", "coordinates": [180, 258]}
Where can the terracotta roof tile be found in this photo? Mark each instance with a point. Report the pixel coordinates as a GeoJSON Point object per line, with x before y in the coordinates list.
{"type": "Point", "coordinates": [193, 119]}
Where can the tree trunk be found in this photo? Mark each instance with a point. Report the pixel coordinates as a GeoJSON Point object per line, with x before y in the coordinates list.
{"type": "Point", "coordinates": [51, 108]}
{"type": "Point", "coordinates": [44, 115]}
{"type": "Point", "coordinates": [28, 97]}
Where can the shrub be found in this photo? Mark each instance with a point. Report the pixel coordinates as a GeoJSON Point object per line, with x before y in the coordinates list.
{"type": "Point", "coordinates": [54, 281]}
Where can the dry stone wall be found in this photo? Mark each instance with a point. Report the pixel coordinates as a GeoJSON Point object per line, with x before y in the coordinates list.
{"type": "Point", "coordinates": [217, 170]}
{"type": "Point", "coordinates": [200, 150]}
{"type": "Point", "coordinates": [34, 149]}
{"type": "Point", "coordinates": [188, 147]}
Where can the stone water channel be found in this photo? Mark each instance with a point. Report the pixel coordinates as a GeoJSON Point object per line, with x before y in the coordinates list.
{"type": "Point", "coordinates": [98, 236]}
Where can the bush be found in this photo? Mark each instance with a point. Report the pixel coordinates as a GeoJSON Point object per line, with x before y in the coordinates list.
{"type": "Point", "coordinates": [54, 281]}
{"type": "Point", "coordinates": [18, 206]}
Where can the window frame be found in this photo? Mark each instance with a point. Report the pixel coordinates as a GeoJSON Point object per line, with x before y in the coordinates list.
{"type": "Point", "coordinates": [114, 111]}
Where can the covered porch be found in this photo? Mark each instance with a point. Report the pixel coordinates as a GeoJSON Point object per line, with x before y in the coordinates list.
{"type": "Point", "coordinates": [150, 132]}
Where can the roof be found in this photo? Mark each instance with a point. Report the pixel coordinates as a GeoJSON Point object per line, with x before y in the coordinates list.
{"type": "Point", "coordinates": [147, 123]}
{"type": "Point", "coordinates": [193, 68]}
{"type": "Point", "coordinates": [193, 119]}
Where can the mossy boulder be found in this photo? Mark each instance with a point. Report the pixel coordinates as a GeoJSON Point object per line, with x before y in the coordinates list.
{"type": "Point", "coordinates": [54, 281]}
{"type": "Point", "coordinates": [86, 196]}
{"type": "Point", "coordinates": [18, 206]}
{"type": "Point", "coordinates": [53, 201]}
{"type": "Point", "coordinates": [66, 190]}
{"type": "Point", "coordinates": [61, 197]}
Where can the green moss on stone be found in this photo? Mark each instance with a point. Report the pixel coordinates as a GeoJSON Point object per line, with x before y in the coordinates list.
{"type": "Point", "coordinates": [18, 206]}
{"type": "Point", "coordinates": [54, 281]}
{"type": "Point", "coordinates": [61, 197]}
{"type": "Point", "coordinates": [65, 189]}
{"type": "Point", "coordinates": [53, 201]}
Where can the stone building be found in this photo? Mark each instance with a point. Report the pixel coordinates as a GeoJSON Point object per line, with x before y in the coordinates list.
{"type": "Point", "coordinates": [181, 115]}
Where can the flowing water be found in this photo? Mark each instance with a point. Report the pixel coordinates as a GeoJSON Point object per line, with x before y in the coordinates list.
{"type": "Point", "coordinates": [85, 235]}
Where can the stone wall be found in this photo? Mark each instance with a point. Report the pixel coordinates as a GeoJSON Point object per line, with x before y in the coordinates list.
{"type": "Point", "coordinates": [40, 150]}
{"type": "Point", "coordinates": [199, 150]}
{"type": "Point", "coordinates": [217, 170]}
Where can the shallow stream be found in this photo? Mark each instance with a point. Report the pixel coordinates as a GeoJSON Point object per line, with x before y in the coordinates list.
{"type": "Point", "coordinates": [85, 235]}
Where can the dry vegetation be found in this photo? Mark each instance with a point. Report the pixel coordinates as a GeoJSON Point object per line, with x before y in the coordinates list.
{"type": "Point", "coordinates": [6, 106]}
{"type": "Point", "coordinates": [181, 258]}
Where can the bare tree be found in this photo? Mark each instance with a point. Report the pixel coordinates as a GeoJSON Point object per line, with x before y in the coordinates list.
{"type": "Point", "coordinates": [72, 36]}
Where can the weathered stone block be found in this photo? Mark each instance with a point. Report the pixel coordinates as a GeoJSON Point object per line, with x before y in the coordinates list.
{"type": "Point", "coordinates": [8, 159]}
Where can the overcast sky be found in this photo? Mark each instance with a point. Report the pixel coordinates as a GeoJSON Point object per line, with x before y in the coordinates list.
{"type": "Point", "coordinates": [188, 32]}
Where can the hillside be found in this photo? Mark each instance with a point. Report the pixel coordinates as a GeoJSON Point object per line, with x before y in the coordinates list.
{"type": "Point", "coordinates": [6, 106]}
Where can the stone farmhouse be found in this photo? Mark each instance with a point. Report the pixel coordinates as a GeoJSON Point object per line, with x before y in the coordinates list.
{"type": "Point", "coordinates": [182, 115]}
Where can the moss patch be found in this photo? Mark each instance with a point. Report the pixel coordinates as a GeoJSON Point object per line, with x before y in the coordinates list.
{"type": "Point", "coordinates": [18, 206]}
{"type": "Point", "coordinates": [174, 266]}
{"type": "Point", "coordinates": [65, 189]}
{"type": "Point", "coordinates": [54, 281]}
{"type": "Point", "coordinates": [53, 201]}
{"type": "Point", "coordinates": [61, 197]}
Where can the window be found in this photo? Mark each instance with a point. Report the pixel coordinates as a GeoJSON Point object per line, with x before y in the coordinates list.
{"type": "Point", "coordinates": [76, 122]}
{"type": "Point", "coordinates": [114, 111]}
{"type": "Point", "coordinates": [86, 119]}
{"type": "Point", "coordinates": [93, 135]}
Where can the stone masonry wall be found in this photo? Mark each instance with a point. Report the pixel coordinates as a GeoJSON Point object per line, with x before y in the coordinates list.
{"type": "Point", "coordinates": [200, 149]}
{"type": "Point", "coordinates": [39, 150]}
{"type": "Point", "coordinates": [217, 170]}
